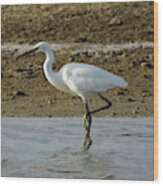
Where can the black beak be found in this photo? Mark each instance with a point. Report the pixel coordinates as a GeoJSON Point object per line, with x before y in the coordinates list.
{"type": "Point", "coordinates": [26, 53]}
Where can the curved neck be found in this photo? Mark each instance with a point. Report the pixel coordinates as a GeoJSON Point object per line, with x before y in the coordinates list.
{"type": "Point", "coordinates": [49, 56]}
{"type": "Point", "coordinates": [52, 77]}
{"type": "Point", "coordinates": [48, 62]}
{"type": "Point", "coordinates": [47, 66]}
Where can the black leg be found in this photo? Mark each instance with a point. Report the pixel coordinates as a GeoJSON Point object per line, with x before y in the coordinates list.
{"type": "Point", "coordinates": [88, 141]}
{"type": "Point", "coordinates": [89, 119]}
{"type": "Point", "coordinates": [109, 104]}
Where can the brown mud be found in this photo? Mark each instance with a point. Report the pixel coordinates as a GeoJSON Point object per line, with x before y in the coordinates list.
{"type": "Point", "coordinates": [26, 92]}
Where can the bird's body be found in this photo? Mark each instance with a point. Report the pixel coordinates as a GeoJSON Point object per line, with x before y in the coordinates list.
{"type": "Point", "coordinates": [79, 79]}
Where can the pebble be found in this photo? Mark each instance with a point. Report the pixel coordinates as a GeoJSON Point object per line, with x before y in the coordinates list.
{"type": "Point", "coordinates": [115, 21]}
{"type": "Point", "coordinates": [120, 70]}
{"type": "Point", "coordinates": [145, 64]}
{"type": "Point", "coordinates": [133, 64]}
{"type": "Point", "coordinates": [142, 101]}
{"type": "Point", "coordinates": [150, 66]}
{"type": "Point", "coordinates": [131, 100]}
{"type": "Point", "coordinates": [81, 39]}
{"type": "Point", "coordinates": [21, 42]}
{"type": "Point", "coordinates": [121, 92]}
{"type": "Point", "coordinates": [71, 59]}
{"type": "Point", "coordinates": [19, 69]}
{"type": "Point", "coordinates": [12, 97]}
{"type": "Point", "coordinates": [89, 54]}
{"type": "Point", "coordinates": [114, 114]}
{"type": "Point", "coordinates": [77, 54]}
{"type": "Point", "coordinates": [15, 50]}
{"type": "Point", "coordinates": [19, 93]}
{"type": "Point", "coordinates": [116, 53]}
{"type": "Point", "coordinates": [144, 94]}
{"type": "Point", "coordinates": [10, 76]}
{"type": "Point", "coordinates": [145, 76]}
{"type": "Point", "coordinates": [135, 112]}
{"type": "Point", "coordinates": [29, 66]}
{"type": "Point", "coordinates": [50, 102]}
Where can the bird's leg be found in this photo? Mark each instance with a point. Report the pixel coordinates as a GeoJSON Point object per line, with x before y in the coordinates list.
{"type": "Point", "coordinates": [88, 120]}
{"type": "Point", "coordinates": [84, 122]}
{"type": "Point", "coordinates": [109, 104]}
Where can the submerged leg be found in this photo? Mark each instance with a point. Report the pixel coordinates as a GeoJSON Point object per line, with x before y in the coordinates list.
{"type": "Point", "coordinates": [109, 104]}
{"type": "Point", "coordinates": [88, 120]}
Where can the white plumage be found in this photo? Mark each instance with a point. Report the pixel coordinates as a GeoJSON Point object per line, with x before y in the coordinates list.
{"type": "Point", "coordinates": [88, 80]}
{"type": "Point", "coordinates": [79, 79]}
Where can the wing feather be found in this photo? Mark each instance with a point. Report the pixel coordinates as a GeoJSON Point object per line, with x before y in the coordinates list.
{"type": "Point", "coordinates": [89, 78]}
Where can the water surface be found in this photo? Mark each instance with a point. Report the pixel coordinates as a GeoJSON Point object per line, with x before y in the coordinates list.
{"type": "Point", "coordinates": [52, 147]}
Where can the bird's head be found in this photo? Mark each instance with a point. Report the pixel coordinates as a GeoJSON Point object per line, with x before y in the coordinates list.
{"type": "Point", "coordinates": [39, 47]}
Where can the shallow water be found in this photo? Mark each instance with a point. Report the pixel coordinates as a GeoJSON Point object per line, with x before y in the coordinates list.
{"type": "Point", "coordinates": [52, 147]}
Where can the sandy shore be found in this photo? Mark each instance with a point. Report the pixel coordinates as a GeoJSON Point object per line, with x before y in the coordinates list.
{"type": "Point", "coordinates": [26, 92]}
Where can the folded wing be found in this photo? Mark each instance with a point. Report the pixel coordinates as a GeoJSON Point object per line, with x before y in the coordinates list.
{"type": "Point", "coordinates": [89, 78]}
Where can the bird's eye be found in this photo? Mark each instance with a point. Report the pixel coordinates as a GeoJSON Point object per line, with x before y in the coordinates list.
{"type": "Point", "coordinates": [36, 48]}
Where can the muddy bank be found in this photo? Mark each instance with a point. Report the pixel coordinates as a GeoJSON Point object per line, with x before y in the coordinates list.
{"type": "Point", "coordinates": [26, 92]}
{"type": "Point", "coordinates": [84, 34]}
{"type": "Point", "coordinates": [92, 23]}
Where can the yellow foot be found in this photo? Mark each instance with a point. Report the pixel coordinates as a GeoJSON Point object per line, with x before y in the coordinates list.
{"type": "Point", "coordinates": [85, 122]}
{"type": "Point", "coordinates": [87, 143]}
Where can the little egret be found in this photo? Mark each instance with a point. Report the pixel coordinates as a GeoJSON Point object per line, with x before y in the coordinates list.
{"type": "Point", "coordinates": [79, 79]}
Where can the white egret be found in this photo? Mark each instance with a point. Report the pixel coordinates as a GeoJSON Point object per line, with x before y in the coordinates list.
{"type": "Point", "coordinates": [79, 79]}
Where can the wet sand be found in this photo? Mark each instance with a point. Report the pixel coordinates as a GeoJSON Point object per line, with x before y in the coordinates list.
{"type": "Point", "coordinates": [52, 147]}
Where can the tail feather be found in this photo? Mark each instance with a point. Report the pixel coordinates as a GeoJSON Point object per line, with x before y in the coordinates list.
{"type": "Point", "coordinates": [122, 83]}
